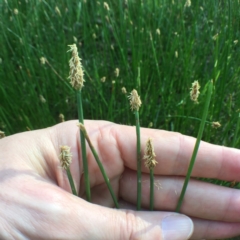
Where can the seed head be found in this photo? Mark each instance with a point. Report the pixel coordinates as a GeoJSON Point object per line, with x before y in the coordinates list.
{"type": "Point", "coordinates": [215, 37]}
{"type": "Point", "coordinates": [76, 72]}
{"type": "Point", "coordinates": [149, 155]}
{"type": "Point", "coordinates": [105, 5]}
{"type": "Point", "coordinates": [194, 93]}
{"type": "Point", "coordinates": [42, 99]}
{"type": "Point", "coordinates": [2, 134]}
{"type": "Point", "coordinates": [74, 39]}
{"type": "Point", "coordinates": [58, 11]}
{"type": "Point", "coordinates": [116, 72]}
{"type": "Point", "coordinates": [150, 36]}
{"type": "Point", "coordinates": [216, 125]}
{"type": "Point", "coordinates": [65, 157]}
{"type": "Point", "coordinates": [43, 60]}
{"type": "Point", "coordinates": [15, 11]}
{"type": "Point", "coordinates": [135, 101]}
{"type": "Point", "coordinates": [61, 117]}
{"type": "Point", "coordinates": [103, 79]}
{"type": "Point", "coordinates": [124, 91]}
{"type": "Point", "coordinates": [187, 3]}
{"type": "Point", "coordinates": [176, 54]}
{"type": "Point", "coordinates": [150, 125]}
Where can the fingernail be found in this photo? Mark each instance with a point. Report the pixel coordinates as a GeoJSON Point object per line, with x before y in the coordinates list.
{"type": "Point", "coordinates": [177, 227]}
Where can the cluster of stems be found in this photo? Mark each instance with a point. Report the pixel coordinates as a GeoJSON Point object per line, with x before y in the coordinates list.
{"type": "Point", "coordinates": [77, 80]}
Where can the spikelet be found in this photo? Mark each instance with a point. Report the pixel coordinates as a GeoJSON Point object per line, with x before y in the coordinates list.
{"type": "Point", "coordinates": [103, 79]}
{"type": "Point", "coordinates": [187, 3]}
{"type": "Point", "coordinates": [116, 72]}
{"type": "Point", "coordinates": [149, 155]}
{"type": "Point", "coordinates": [76, 72]}
{"type": "Point", "coordinates": [135, 101]}
{"type": "Point", "coordinates": [194, 93]}
{"type": "Point", "coordinates": [216, 125]}
{"type": "Point", "coordinates": [43, 60]}
{"type": "Point", "coordinates": [65, 157]}
{"type": "Point", "coordinates": [105, 5]}
{"type": "Point", "coordinates": [124, 90]}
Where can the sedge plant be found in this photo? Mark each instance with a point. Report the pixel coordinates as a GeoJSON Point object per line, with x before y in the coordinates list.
{"type": "Point", "coordinates": [65, 160]}
{"type": "Point", "coordinates": [135, 103]}
{"type": "Point", "coordinates": [94, 152]}
{"type": "Point", "coordinates": [194, 96]}
{"type": "Point", "coordinates": [76, 80]}
{"type": "Point", "coordinates": [150, 163]}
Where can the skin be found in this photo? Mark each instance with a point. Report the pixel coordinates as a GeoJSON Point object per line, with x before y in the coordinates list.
{"type": "Point", "coordinates": [36, 200]}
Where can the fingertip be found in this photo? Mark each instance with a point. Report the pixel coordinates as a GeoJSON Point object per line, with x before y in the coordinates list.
{"type": "Point", "coordinates": [177, 227]}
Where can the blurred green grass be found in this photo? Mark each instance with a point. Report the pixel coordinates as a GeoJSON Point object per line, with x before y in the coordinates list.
{"type": "Point", "coordinates": [159, 46]}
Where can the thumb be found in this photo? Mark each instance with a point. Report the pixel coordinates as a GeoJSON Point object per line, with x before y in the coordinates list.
{"type": "Point", "coordinates": [105, 223]}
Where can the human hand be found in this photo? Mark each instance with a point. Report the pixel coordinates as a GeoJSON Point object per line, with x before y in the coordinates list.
{"type": "Point", "coordinates": [36, 200]}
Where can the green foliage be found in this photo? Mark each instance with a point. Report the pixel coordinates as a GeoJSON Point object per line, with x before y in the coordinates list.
{"type": "Point", "coordinates": [195, 43]}
{"type": "Point", "coordinates": [125, 37]}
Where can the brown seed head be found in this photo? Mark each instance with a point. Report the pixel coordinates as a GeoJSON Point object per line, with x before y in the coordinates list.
{"type": "Point", "coordinates": [76, 72]}
{"type": "Point", "coordinates": [65, 157]}
{"type": "Point", "coordinates": [149, 155]}
{"type": "Point", "coordinates": [194, 93]}
{"type": "Point", "coordinates": [135, 101]}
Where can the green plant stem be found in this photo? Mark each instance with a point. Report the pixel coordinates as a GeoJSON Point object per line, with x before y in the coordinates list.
{"type": "Point", "coordinates": [106, 179]}
{"type": "Point", "coordinates": [139, 162]}
{"type": "Point", "coordinates": [71, 181]}
{"type": "Point", "coordinates": [236, 132]}
{"type": "Point", "coordinates": [194, 154]}
{"type": "Point", "coordinates": [83, 148]}
{"type": "Point", "coordinates": [151, 190]}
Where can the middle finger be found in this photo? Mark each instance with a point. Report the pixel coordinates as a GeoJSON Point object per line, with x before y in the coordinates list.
{"type": "Point", "coordinates": [202, 200]}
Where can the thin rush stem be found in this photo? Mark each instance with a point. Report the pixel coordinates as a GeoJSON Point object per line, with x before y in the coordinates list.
{"type": "Point", "coordinates": [151, 190]}
{"type": "Point", "coordinates": [139, 162]}
{"type": "Point", "coordinates": [71, 181]}
{"type": "Point", "coordinates": [83, 148]}
{"type": "Point", "coordinates": [194, 154]}
{"type": "Point", "coordinates": [106, 179]}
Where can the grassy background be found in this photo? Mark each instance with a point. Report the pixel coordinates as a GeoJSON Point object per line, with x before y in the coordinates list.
{"type": "Point", "coordinates": [199, 42]}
